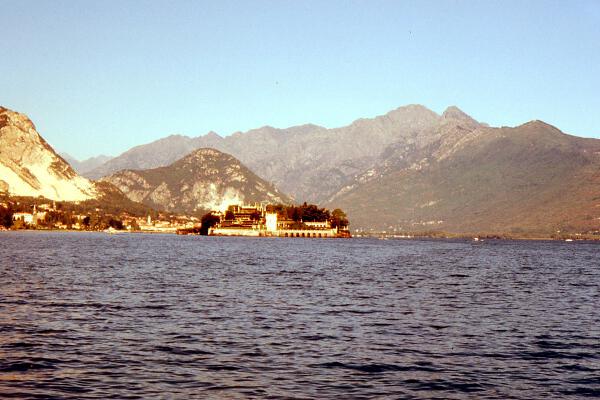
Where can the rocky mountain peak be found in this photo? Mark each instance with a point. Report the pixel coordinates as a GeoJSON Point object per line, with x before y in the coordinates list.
{"type": "Point", "coordinates": [13, 118]}
{"type": "Point", "coordinates": [455, 113]}
{"type": "Point", "coordinates": [204, 155]}
{"type": "Point", "coordinates": [414, 112]}
{"type": "Point", "coordinates": [29, 166]}
{"type": "Point", "coordinates": [213, 135]}
{"type": "Point", "coordinates": [538, 124]}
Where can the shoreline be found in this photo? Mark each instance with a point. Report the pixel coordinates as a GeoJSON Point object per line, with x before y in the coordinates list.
{"type": "Point", "coordinates": [467, 237]}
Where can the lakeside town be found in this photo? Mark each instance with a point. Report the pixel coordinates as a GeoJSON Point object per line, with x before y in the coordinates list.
{"type": "Point", "coordinates": [250, 220]}
{"type": "Point", "coordinates": [258, 220]}
{"type": "Point", "coordinates": [52, 216]}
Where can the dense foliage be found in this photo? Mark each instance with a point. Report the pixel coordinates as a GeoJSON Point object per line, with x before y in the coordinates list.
{"type": "Point", "coordinates": [208, 221]}
{"type": "Point", "coordinates": [338, 218]}
{"type": "Point", "coordinates": [6, 216]}
{"type": "Point", "coordinates": [310, 213]}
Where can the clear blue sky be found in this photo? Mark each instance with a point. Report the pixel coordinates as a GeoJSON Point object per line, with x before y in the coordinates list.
{"type": "Point", "coordinates": [101, 77]}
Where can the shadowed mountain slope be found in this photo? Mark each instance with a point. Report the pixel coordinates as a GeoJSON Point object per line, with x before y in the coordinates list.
{"type": "Point", "coordinates": [531, 178]}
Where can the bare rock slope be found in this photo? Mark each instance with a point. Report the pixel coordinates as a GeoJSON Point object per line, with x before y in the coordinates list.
{"type": "Point", "coordinates": [30, 167]}
{"type": "Point", "coordinates": [205, 179]}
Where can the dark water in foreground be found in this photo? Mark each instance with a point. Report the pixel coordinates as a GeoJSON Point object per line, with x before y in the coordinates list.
{"type": "Point", "coordinates": [154, 316]}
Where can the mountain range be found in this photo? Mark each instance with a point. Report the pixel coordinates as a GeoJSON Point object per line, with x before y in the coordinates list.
{"type": "Point", "coordinates": [408, 170]}
{"type": "Point", "coordinates": [415, 170]}
{"type": "Point", "coordinates": [531, 179]}
{"type": "Point", "coordinates": [309, 162]}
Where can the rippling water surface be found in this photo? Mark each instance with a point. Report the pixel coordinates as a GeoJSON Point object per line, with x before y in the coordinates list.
{"type": "Point", "coordinates": [85, 315]}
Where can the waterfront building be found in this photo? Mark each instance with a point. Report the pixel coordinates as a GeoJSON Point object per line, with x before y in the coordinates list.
{"type": "Point", "coordinates": [255, 220]}
{"type": "Point", "coordinates": [23, 216]}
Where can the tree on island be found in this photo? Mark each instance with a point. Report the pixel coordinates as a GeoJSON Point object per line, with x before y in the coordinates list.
{"type": "Point", "coordinates": [310, 213]}
{"type": "Point", "coordinates": [116, 224]}
{"type": "Point", "coordinates": [6, 217]}
{"type": "Point", "coordinates": [338, 218]}
{"type": "Point", "coordinates": [229, 215]}
{"type": "Point", "coordinates": [208, 221]}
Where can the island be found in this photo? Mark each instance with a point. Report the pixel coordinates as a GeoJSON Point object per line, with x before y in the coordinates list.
{"type": "Point", "coordinates": [268, 220]}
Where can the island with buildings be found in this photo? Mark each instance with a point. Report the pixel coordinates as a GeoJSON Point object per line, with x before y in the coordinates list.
{"type": "Point", "coordinates": [268, 220]}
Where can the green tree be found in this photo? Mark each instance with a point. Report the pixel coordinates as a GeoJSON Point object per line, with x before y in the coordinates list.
{"type": "Point", "coordinates": [208, 221]}
{"type": "Point", "coordinates": [6, 217]}
{"type": "Point", "coordinates": [116, 224]}
{"type": "Point", "coordinates": [338, 219]}
{"type": "Point", "coordinates": [295, 213]}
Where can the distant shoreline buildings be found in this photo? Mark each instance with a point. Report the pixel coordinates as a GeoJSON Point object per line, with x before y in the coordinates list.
{"type": "Point", "coordinates": [252, 220]}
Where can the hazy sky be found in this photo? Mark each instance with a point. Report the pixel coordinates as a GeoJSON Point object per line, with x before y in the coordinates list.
{"type": "Point", "coordinates": [101, 77]}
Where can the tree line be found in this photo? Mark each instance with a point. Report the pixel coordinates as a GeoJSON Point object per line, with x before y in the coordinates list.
{"type": "Point", "coordinates": [310, 213]}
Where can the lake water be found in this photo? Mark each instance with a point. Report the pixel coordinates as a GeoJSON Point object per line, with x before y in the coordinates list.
{"type": "Point", "coordinates": [90, 315]}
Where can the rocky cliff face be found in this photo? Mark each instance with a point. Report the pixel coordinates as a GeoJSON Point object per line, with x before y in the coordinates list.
{"type": "Point", "coordinates": [206, 179]}
{"type": "Point", "coordinates": [30, 167]}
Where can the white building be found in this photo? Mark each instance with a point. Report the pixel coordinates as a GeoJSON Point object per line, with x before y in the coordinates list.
{"type": "Point", "coordinates": [26, 217]}
{"type": "Point", "coordinates": [318, 224]}
{"type": "Point", "coordinates": [271, 222]}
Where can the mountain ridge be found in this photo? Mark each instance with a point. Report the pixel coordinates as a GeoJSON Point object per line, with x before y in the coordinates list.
{"type": "Point", "coordinates": [84, 166]}
{"type": "Point", "coordinates": [283, 155]}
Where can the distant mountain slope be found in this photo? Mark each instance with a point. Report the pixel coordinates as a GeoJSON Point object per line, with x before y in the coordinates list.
{"type": "Point", "coordinates": [203, 180]}
{"type": "Point", "coordinates": [159, 153]}
{"type": "Point", "coordinates": [531, 178]}
{"type": "Point", "coordinates": [82, 167]}
{"type": "Point", "coordinates": [30, 167]}
{"type": "Point", "coordinates": [310, 162]}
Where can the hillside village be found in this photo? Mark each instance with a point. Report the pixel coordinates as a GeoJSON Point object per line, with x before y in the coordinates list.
{"type": "Point", "coordinates": [44, 214]}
